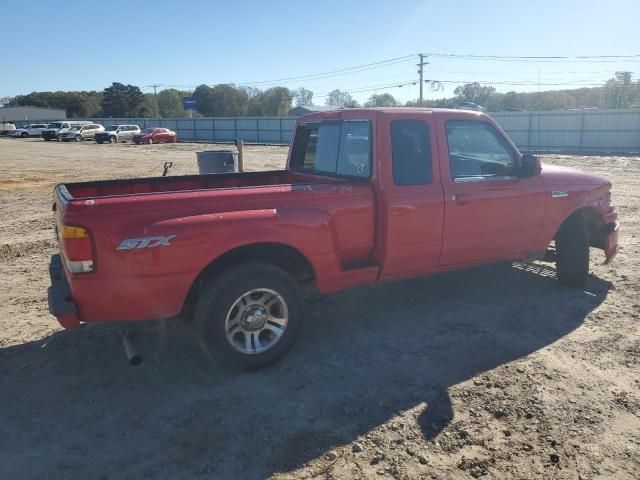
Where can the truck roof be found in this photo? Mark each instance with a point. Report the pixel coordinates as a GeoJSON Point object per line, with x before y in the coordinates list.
{"type": "Point", "coordinates": [353, 112]}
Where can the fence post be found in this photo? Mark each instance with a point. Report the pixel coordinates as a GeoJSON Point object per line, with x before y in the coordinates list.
{"type": "Point", "coordinates": [582, 131]}
{"type": "Point", "coordinates": [195, 137]}
{"type": "Point", "coordinates": [530, 128]}
{"type": "Point", "coordinates": [258, 129]}
{"type": "Point", "coordinates": [280, 123]}
{"type": "Point", "coordinates": [213, 129]}
{"type": "Point", "coordinates": [235, 128]}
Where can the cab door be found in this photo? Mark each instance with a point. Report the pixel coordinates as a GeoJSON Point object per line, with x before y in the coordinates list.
{"type": "Point", "coordinates": [490, 213]}
{"type": "Point", "coordinates": [411, 194]}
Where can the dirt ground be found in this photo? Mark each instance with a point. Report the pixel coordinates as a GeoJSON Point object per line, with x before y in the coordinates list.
{"type": "Point", "coordinates": [495, 372]}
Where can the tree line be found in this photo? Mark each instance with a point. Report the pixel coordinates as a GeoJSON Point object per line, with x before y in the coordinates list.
{"type": "Point", "coordinates": [120, 100]}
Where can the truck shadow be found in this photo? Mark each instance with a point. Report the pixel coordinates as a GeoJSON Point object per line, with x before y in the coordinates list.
{"type": "Point", "coordinates": [71, 406]}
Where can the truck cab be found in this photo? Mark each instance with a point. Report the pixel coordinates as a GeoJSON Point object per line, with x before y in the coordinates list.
{"type": "Point", "coordinates": [368, 195]}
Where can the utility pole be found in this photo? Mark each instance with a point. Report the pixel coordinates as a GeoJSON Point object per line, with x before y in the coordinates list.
{"type": "Point", "coordinates": [155, 97]}
{"type": "Point", "coordinates": [421, 72]}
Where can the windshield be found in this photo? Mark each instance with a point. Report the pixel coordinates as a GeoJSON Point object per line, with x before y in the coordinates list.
{"type": "Point", "coordinates": [113, 127]}
{"type": "Point", "coordinates": [55, 125]}
{"type": "Point", "coordinates": [149, 130]}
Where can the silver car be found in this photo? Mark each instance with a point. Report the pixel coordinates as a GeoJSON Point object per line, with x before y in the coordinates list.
{"type": "Point", "coordinates": [31, 130]}
{"type": "Point", "coordinates": [82, 132]}
{"type": "Point", "coordinates": [118, 133]}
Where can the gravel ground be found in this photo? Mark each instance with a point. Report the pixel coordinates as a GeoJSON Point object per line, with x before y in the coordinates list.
{"type": "Point", "coordinates": [495, 372]}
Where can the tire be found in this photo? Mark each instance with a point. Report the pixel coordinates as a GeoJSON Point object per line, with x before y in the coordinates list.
{"type": "Point", "coordinates": [572, 252]}
{"type": "Point", "coordinates": [233, 299]}
{"type": "Point", "coordinates": [113, 139]}
{"type": "Point", "coordinates": [47, 139]}
{"type": "Point", "coordinates": [24, 135]}
{"type": "Point", "coordinates": [78, 138]}
{"type": "Point", "coordinates": [99, 142]}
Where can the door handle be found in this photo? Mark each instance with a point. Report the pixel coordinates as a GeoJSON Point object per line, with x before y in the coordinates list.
{"type": "Point", "coordinates": [461, 198]}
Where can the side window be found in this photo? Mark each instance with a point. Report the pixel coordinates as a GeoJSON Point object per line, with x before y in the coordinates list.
{"type": "Point", "coordinates": [476, 149]}
{"type": "Point", "coordinates": [322, 148]}
{"type": "Point", "coordinates": [354, 157]}
{"type": "Point", "coordinates": [411, 152]}
{"type": "Point", "coordinates": [342, 148]}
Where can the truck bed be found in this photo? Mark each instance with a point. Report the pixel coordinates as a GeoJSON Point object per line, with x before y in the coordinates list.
{"type": "Point", "coordinates": [141, 186]}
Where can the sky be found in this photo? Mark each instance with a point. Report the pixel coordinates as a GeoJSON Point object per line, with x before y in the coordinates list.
{"type": "Point", "coordinates": [49, 45]}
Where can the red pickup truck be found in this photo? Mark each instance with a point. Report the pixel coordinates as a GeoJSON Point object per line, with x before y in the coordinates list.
{"type": "Point", "coordinates": [368, 195]}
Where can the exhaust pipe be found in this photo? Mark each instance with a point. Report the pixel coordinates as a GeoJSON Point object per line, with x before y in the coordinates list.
{"type": "Point", "coordinates": [134, 357]}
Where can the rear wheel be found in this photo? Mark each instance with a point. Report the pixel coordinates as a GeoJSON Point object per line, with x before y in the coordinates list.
{"type": "Point", "coordinates": [250, 315]}
{"type": "Point", "coordinates": [572, 252]}
{"type": "Point", "coordinates": [24, 134]}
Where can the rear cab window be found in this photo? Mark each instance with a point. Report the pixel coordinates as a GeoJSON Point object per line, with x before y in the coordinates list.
{"type": "Point", "coordinates": [341, 148]}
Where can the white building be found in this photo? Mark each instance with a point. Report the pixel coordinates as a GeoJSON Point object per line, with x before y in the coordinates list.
{"type": "Point", "coordinates": [21, 114]}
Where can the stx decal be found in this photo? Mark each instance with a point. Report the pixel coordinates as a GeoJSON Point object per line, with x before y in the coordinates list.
{"type": "Point", "coordinates": [146, 242]}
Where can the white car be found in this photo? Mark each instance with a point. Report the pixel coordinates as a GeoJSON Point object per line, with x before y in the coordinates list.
{"type": "Point", "coordinates": [80, 133]}
{"type": "Point", "coordinates": [32, 130]}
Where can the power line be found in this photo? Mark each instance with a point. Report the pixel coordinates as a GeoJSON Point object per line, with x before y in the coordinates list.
{"type": "Point", "coordinates": [342, 71]}
{"type": "Point", "coordinates": [372, 88]}
{"type": "Point", "coordinates": [459, 82]}
{"type": "Point", "coordinates": [529, 57]}
{"type": "Point", "coordinates": [397, 60]}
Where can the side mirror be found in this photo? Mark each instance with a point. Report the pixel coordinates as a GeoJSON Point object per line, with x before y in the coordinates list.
{"type": "Point", "coordinates": [530, 166]}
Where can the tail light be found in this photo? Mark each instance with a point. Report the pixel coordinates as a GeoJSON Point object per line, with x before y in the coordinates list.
{"type": "Point", "coordinates": [78, 248]}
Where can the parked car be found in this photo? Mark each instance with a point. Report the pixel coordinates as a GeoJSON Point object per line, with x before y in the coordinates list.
{"type": "Point", "coordinates": [118, 133]}
{"type": "Point", "coordinates": [55, 129]}
{"type": "Point", "coordinates": [6, 128]}
{"type": "Point", "coordinates": [155, 135]}
{"type": "Point", "coordinates": [84, 132]}
{"type": "Point", "coordinates": [369, 195]}
{"type": "Point", "coordinates": [32, 130]}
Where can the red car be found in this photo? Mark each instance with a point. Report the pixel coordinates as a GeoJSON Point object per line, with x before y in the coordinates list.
{"type": "Point", "coordinates": [369, 195]}
{"type": "Point", "coordinates": [155, 135]}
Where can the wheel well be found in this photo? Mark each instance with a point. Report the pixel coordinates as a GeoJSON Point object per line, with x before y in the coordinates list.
{"type": "Point", "coordinates": [593, 221]}
{"type": "Point", "coordinates": [283, 256]}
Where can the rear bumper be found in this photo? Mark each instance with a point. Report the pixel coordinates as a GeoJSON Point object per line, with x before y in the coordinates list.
{"type": "Point", "coordinates": [61, 305]}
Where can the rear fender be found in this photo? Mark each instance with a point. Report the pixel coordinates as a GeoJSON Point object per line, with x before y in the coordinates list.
{"type": "Point", "coordinates": [308, 230]}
